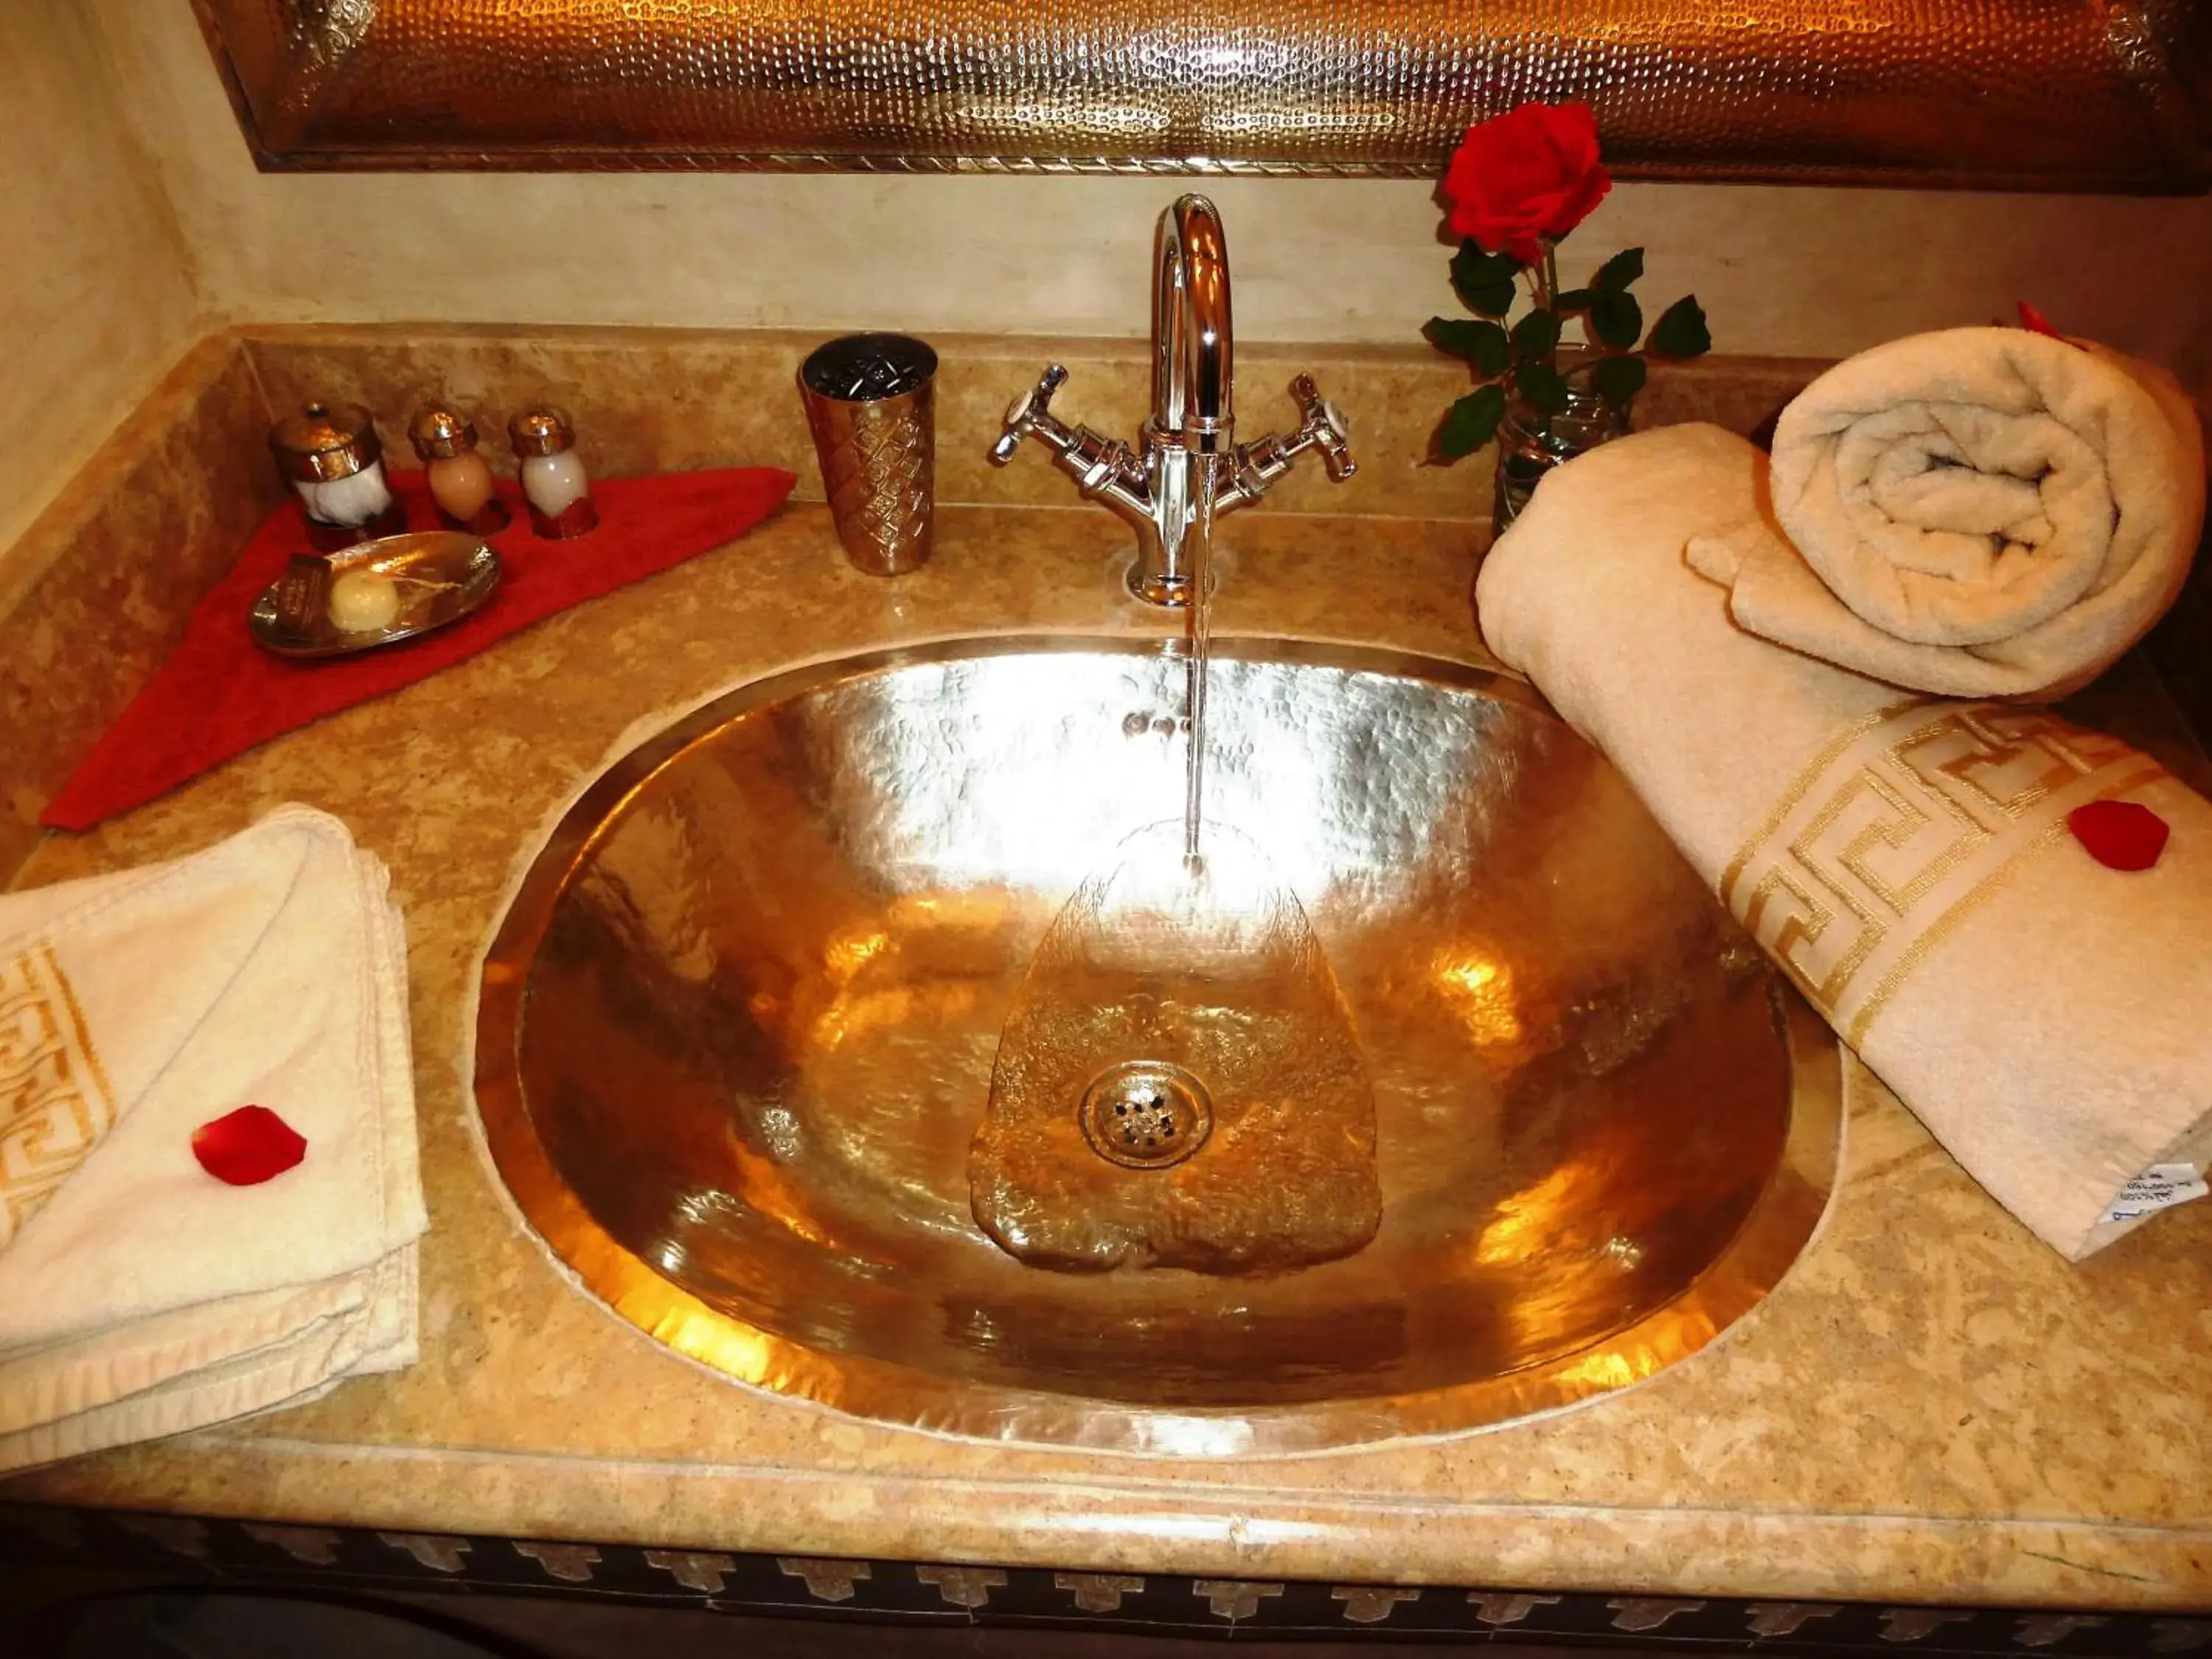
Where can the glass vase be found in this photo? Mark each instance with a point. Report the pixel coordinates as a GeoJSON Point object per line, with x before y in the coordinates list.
{"type": "Point", "coordinates": [1530, 443]}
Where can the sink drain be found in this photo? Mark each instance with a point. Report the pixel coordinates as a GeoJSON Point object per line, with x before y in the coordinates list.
{"type": "Point", "coordinates": [1145, 1115]}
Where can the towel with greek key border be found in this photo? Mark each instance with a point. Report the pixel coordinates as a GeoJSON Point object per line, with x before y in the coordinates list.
{"type": "Point", "coordinates": [1892, 835]}
{"type": "Point", "coordinates": [1905, 860]}
{"type": "Point", "coordinates": [55, 1104]}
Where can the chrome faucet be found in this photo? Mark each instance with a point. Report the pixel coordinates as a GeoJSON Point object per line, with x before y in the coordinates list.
{"type": "Point", "coordinates": [1193, 471]}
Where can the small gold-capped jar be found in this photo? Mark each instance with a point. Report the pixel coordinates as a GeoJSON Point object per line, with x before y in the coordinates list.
{"type": "Point", "coordinates": [330, 456]}
{"type": "Point", "coordinates": [554, 480]}
{"type": "Point", "coordinates": [459, 477]}
{"type": "Point", "coordinates": [440, 434]}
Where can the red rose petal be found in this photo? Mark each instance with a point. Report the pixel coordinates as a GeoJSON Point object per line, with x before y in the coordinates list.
{"type": "Point", "coordinates": [248, 1146]}
{"type": "Point", "coordinates": [2120, 834]}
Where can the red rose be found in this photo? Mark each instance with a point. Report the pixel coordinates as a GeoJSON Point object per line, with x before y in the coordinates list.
{"type": "Point", "coordinates": [1533, 171]}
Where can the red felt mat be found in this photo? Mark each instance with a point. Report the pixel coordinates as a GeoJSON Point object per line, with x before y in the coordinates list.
{"type": "Point", "coordinates": [220, 694]}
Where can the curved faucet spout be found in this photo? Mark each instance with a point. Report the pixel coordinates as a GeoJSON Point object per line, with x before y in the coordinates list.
{"type": "Point", "coordinates": [1191, 331]}
{"type": "Point", "coordinates": [1187, 468]}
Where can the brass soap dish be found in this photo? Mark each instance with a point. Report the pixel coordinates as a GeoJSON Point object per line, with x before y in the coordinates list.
{"type": "Point", "coordinates": [437, 577]}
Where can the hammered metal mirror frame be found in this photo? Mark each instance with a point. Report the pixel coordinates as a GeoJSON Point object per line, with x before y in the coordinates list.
{"type": "Point", "coordinates": [2106, 96]}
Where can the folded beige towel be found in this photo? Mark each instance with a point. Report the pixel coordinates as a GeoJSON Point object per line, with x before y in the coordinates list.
{"type": "Point", "coordinates": [1906, 859]}
{"type": "Point", "coordinates": [139, 1295]}
{"type": "Point", "coordinates": [1983, 512]}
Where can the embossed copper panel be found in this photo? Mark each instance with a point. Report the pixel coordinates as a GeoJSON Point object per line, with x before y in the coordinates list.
{"type": "Point", "coordinates": [736, 1035]}
{"type": "Point", "coordinates": [2088, 94]}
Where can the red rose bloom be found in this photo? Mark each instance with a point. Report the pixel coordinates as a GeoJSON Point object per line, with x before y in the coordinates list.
{"type": "Point", "coordinates": [1531, 173]}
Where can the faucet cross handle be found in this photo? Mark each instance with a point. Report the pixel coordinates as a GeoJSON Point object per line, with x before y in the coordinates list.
{"type": "Point", "coordinates": [1323, 428]}
{"type": "Point", "coordinates": [1320, 427]}
{"type": "Point", "coordinates": [1032, 412]}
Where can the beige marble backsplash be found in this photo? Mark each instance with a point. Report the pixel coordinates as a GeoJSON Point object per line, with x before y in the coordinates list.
{"type": "Point", "coordinates": [122, 555]}
{"type": "Point", "coordinates": [648, 400]}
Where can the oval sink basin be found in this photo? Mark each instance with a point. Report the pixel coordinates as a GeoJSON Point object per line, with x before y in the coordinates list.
{"type": "Point", "coordinates": [736, 1040]}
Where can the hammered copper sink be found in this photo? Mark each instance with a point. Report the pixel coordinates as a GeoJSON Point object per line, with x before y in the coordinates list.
{"type": "Point", "coordinates": [736, 1036]}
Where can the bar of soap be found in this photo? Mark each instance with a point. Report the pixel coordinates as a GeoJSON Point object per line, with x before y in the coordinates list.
{"type": "Point", "coordinates": [363, 602]}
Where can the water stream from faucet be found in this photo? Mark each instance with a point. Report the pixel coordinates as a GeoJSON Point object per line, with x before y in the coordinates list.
{"type": "Point", "coordinates": [1182, 1006]}
{"type": "Point", "coordinates": [1199, 637]}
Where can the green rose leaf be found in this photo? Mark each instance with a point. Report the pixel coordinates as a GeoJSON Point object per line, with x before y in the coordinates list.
{"type": "Point", "coordinates": [1469, 423]}
{"type": "Point", "coordinates": [1575, 299]}
{"type": "Point", "coordinates": [1482, 344]}
{"type": "Point", "coordinates": [1536, 336]}
{"type": "Point", "coordinates": [1617, 380]}
{"type": "Point", "coordinates": [1477, 263]}
{"type": "Point", "coordinates": [1681, 331]}
{"type": "Point", "coordinates": [1616, 319]}
{"type": "Point", "coordinates": [1614, 275]}
{"type": "Point", "coordinates": [1542, 388]}
{"type": "Point", "coordinates": [1484, 281]}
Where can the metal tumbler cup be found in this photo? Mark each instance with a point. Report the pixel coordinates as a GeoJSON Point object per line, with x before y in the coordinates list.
{"type": "Point", "coordinates": [870, 405]}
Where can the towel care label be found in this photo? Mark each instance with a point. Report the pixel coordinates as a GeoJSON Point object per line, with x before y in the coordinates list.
{"type": "Point", "coordinates": [2160, 1187]}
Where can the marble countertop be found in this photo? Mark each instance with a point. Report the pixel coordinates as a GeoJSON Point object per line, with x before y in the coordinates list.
{"type": "Point", "coordinates": [1931, 1406]}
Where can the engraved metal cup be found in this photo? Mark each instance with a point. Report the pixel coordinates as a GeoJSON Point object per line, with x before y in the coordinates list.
{"type": "Point", "coordinates": [870, 404]}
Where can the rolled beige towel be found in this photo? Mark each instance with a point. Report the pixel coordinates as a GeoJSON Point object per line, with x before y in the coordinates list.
{"type": "Point", "coordinates": [1904, 859]}
{"type": "Point", "coordinates": [1982, 512]}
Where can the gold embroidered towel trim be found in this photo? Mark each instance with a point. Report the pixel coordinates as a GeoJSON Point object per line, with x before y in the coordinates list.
{"type": "Point", "coordinates": [55, 1103]}
{"type": "Point", "coordinates": [1890, 838]}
